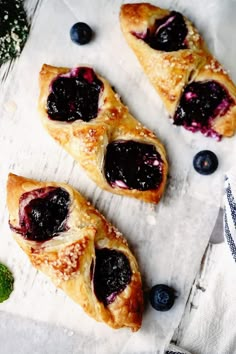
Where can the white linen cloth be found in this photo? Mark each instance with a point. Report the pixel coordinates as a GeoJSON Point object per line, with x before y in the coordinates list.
{"type": "Point", "coordinates": [211, 328]}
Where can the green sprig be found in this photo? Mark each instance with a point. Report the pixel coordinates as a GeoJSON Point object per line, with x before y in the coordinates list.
{"type": "Point", "coordinates": [14, 29]}
{"type": "Point", "coordinates": [6, 282]}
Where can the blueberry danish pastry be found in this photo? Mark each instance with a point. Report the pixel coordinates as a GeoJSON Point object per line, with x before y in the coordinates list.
{"type": "Point", "coordinates": [196, 90]}
{"type": "Point", "coordinates": [80, 110]}
{"type": "Point", "coordinates": [73, 244]}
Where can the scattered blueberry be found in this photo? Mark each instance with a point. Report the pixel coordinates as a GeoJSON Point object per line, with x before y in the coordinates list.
{"type": "Point", "coordinates": [205, 162]}
{"type": "Point", "coordinates": [111, 275]}
{"type": "Point", "coordinates": [80, 33]}
{"type": "Point", "coordinates": [167, 34]}
{"type": "Point", "coordinates": [200, 103]}
{"type": "Point", "coordinates": [162, 297]}
{"type": "Point", "coordinates": [133, 165]}
{"type": "Point", "coordinates": [43, 213]}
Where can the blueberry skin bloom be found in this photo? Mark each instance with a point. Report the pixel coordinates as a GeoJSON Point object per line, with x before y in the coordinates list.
{"type": "Point", "coordinates": [162, 297]}
{"type": "Point", "coordinates": [205, 162]}
{"type": "Point", "coordinates": [80, 33]}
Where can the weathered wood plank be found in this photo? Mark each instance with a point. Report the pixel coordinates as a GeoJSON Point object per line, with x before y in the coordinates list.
{"type": "Point", "coordinates": [169, 239]}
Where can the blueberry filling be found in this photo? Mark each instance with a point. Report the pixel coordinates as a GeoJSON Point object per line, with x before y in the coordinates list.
{"type": "Point", "coordinates": [200, 103]}
{"type": "Point", "coordinates": [43, 213]}
{"type": "Point", "coordinates": [167, 34]}
{"type": "Point", "coordinates": [111, 275]}
{"type": "Point", "coordinates": [133, 165]}
{"type": "Point", "coordinates": [74, 96]}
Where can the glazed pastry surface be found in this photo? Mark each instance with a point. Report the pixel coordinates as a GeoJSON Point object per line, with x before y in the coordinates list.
{"type": "Point", "coordinates": [88, 119]}
{"type": "Point", "coordinates": [73, 244]}
{"type": "Point", "coordinates": [196, 90]}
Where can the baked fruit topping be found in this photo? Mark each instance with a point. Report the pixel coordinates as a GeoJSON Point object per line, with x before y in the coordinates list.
{"type": "Point", "coordinates": [200, 103]}
{"type": "Point", "coordinates": [112, 274]}
{"type": "Point", "coordinates": [167, 34]}
{"type": "Point", "coordinates": [43, 213]}
{"type": "Point", "coordinates": [133, 165]}
{"type": "Point", "coordinates": [74, 96]}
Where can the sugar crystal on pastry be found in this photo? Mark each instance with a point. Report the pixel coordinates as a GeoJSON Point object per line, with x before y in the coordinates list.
{"type": "Point", "coordinates": [174, 55]}
{"type": "Point", "coordinates": [85, 256]}
{"type": "Point", "coordinates": [87, 139]}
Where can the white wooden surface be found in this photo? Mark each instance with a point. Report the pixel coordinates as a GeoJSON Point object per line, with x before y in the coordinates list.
{"type": "Point", "coordinates": [169, 239]}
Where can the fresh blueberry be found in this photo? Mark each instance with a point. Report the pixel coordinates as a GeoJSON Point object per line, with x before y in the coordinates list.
{"type": "Point", "coordinates": [162, 297]}
{"type": "Point", "coordinates": [80, 33]}
{"type": "Point", "coordinates": [205, 162]}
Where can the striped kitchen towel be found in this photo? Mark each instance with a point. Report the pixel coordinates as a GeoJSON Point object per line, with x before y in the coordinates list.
{"type": "Point", "coordinates": [230, 211]}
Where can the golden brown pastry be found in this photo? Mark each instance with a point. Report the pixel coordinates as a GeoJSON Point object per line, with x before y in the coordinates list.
{"type": "Point", "coordinates": [73, 244]}
{"type": "Point", "coordinates": [196, 90]}
{"type": "Point", "coordinates": [81, 112]}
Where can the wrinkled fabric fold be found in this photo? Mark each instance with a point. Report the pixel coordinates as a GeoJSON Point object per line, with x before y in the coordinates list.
{"type": "Point", "coordinates": [173, 349]}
